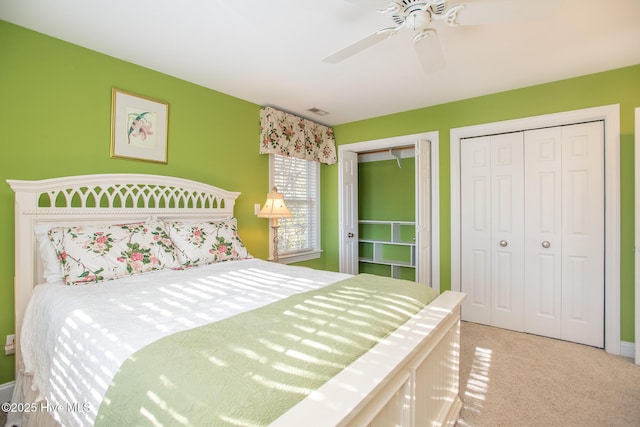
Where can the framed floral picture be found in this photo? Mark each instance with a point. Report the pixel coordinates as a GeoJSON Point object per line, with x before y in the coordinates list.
{"type": "Point", "coordinates": [138, 127]}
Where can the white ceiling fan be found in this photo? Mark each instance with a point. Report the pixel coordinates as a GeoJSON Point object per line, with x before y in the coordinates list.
{"type": "Point", "coordinates": [419, 16]}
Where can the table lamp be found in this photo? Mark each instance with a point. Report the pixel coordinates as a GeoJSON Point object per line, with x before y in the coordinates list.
{"type": "Point", "coordinates": [275, 208]}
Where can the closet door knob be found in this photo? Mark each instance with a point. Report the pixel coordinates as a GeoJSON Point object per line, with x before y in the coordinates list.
{"type": "Point", "coordinates": [503, 243]}
{"type": "Point", "coordinates": [546, 244]}
{"type": "Point", "coordinates": [349, 234]}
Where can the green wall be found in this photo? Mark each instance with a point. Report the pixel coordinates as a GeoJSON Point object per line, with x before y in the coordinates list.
{"type": "Point", "coordinates": [386, 191]}
{"type": "Point", "coordinates": [55, 109]}
{"type": "Point", "coordinates": [621, 86]}
{"type": "Point", "coordinates": [55, 101]}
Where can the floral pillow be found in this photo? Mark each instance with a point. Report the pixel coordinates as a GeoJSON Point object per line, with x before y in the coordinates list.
{"type": "Point", "coordinates": [92, 254]}
{"type": "Point", "coordinates": [207, 242]}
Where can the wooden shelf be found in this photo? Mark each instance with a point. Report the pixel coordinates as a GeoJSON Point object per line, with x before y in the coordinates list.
{"type": "Point", "coordinates": [390, 243]}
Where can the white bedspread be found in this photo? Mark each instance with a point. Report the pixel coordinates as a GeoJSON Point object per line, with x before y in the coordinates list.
{"type": "Point", "coordinates": [74, 338]}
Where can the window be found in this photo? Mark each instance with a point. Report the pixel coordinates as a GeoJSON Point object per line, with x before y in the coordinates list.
{"type": "Point", "coordinates": [299, 182]}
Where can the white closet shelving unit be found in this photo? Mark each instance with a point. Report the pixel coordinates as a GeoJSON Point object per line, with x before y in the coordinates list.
{"type": "Point", "coordinates": [392, 244]}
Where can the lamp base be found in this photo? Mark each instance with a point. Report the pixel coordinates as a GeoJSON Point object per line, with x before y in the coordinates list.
{"type": "Point", "coordinates": [274, 227]}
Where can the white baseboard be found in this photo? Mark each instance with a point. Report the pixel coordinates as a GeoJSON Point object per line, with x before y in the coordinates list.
{"type": "Point", "coordinates": [6, 391]}
{"type": "Point", "coordinates": [628, 349]}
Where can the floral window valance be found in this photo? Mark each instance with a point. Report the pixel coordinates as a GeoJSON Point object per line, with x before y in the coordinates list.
{"type": "Point", "coordinates": [288, 135]}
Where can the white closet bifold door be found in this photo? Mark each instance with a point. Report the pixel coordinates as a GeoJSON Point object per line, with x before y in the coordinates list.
{"type": "Point", "coordinates": [492, 229]}
{"type": "Point", "coordinates": [543, 241]}
{"type": "Point", "coordinates": [532, 231]}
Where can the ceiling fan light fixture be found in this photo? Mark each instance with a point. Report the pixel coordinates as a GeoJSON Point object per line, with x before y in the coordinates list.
{"type": "Point", "coordinates": [418, 19]}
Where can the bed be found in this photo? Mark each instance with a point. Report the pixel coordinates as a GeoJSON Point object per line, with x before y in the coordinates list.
{"type": "Point", "coordinates": [172, 334]}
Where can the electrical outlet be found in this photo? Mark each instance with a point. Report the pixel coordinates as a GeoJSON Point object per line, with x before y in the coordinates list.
{"type": "Point", "coordinates": [10, 345]}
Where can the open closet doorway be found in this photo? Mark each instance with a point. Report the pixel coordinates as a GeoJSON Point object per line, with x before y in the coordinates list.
{"type": "Point", "coordinates": [425, 249]}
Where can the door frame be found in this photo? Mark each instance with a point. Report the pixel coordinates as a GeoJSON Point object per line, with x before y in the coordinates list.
{"type": "Point", "coordinates": [637, 236]}
{"type": "Point", "coordinates": [611, 116]}
{"type": "Point", "coordinates": [434, 178]}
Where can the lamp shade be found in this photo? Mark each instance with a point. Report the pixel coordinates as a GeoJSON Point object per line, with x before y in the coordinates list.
{"type": "Point", "coordinates": [274, 206]}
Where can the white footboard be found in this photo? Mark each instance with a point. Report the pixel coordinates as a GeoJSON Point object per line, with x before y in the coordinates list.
{"type": "Point", "coordinates": [410, 379]}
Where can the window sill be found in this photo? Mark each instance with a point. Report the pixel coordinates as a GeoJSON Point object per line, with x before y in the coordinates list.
{"type": "Point", "coordinates": [298, 257]}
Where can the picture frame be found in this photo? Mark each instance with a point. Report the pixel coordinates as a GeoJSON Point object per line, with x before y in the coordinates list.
{"type": "Point", "coordinates": [139, 127]}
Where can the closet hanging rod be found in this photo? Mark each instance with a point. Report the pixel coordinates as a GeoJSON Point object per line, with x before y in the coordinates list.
{"type": "Point", "coordinates": [386, 150]}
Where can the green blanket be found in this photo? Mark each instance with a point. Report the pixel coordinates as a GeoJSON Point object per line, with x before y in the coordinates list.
{"type": "Point", "coordinates": [251, 368]}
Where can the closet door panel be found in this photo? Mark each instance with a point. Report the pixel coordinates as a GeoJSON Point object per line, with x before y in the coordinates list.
{"type": "Point", "coordinates": [543, 237]}
{"type": "Point", "coordinates": [546, 271]}
{"type": "Point", "coordinates": [349, 206]}
{"type": "Point", "coordinates": [507, 230]}
{"type": "Point", "coordinates": [475, 190]}
{"type": "Point", "coordinates": [583, 233]}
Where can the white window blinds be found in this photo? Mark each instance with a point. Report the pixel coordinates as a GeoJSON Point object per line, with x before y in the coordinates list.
{"type": "Point", "coordinates": [298, 181]}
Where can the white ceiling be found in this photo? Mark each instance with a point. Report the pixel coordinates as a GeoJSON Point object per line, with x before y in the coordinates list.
{"type": "Point", "coordinates": [269, 51]}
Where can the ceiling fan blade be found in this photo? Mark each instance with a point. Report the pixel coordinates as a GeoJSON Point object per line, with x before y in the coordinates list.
{"type": "Point", "coordinates": [429, 51]}
{"type": "Point", "coordinates": [503, 11]}
{"type": "Point", "coordinates": [360, 45]}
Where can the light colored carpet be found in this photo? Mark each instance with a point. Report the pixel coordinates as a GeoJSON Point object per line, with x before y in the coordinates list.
{"type": "Point", "coordinates": [514, 379]}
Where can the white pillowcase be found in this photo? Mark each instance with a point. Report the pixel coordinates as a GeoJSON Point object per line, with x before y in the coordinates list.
{"type": "Point", "coordinates": [52, 272]}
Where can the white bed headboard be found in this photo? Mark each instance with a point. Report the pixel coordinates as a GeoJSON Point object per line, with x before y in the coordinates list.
{"type": "Point", "coordinates": [101, 199]}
